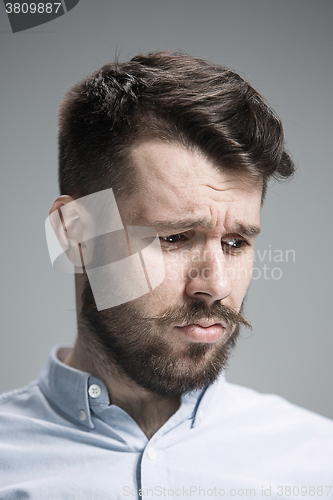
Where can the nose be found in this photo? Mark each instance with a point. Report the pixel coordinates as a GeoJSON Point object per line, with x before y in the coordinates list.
{"type": "Point", "coordinates": [207, 278]}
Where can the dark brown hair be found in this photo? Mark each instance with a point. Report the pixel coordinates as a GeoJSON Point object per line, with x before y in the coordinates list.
{"type": "Point", "coordinates": [173, 97]}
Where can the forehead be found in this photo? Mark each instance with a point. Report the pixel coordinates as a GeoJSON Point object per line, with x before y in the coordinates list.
{"type": "Point", "coordinates": [176, 183]}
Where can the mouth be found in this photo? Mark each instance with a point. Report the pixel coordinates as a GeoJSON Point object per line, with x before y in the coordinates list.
{"type": "Point", "coordinates": [204, 330]}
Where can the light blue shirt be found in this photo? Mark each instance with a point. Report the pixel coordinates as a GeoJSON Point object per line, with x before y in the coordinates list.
{"type": "Point", "coordinates": [61, 439]}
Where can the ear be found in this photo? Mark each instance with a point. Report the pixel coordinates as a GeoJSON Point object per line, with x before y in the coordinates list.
{"type": "Point", "coordinates": [68, 224]}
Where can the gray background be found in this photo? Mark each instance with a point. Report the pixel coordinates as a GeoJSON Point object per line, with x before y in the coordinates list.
{"type": "Point", "coordinates": [285, 49]}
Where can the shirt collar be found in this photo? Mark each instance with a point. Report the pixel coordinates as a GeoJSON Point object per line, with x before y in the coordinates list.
{"type": "Point", "coordinates": [67, 388]}
{"type": "Point", "coordinates": [77, 394]}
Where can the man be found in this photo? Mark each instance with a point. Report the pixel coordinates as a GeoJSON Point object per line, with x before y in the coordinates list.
{"type": "Point", "coordinates": [173, 146]}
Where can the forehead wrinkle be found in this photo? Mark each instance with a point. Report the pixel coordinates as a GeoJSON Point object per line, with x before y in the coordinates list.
{"type": "Point", "coordinates": [181, 224]}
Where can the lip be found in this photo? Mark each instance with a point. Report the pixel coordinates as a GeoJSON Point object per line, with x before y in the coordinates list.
{"type": "Point", "coordinates": [204, 323]}
{"type": "Point", "coordinates": [205, 331]}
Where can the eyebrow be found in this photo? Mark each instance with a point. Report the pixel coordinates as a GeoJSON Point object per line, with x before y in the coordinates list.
{"type": "Point", "coordinates": [247, 230]}
{"type": "Point", "coordinates": [181, 225]}
{"type": "Point", "coordinates": [187, 224]}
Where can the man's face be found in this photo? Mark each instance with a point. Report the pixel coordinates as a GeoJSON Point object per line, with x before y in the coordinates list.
{"type": "Point", "coordinates": [177, 337]}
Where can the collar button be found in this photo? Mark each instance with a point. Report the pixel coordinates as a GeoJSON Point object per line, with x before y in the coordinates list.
{"type": "Point", "coordinates": [82, 415]}
{"type": "Point", "coordinates": [94, 391]}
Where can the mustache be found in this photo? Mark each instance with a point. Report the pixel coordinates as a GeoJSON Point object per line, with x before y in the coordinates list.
{"type": "Point", "coordinates": [196, 311]}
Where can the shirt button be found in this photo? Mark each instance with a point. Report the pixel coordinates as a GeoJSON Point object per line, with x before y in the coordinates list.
{"type": "Point", "coordinates": [151, 454]}
{"type": "Point", "coordinates": [201, 415]}
{"type": "Point", "coordinates": [82, 415]}
{"type": "Point", "coordinates": [94, 391]}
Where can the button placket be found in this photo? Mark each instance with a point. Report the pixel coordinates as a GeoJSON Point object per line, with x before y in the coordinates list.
{"type": "Point", "coordinates": [153, 471]}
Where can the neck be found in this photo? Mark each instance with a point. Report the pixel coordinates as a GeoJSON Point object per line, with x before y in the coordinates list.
{"type": "Point", "coordinates": [149, 410]}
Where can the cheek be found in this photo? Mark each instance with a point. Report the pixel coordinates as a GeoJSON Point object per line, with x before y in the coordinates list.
{"type": "Point", "coordinates": [239, 273]}
{"type": "Point", "coordinates": [170, 289]}
{"type": "Point", "coordinates": [182, 266]}
{"type": "Point", "coordinates": [175, 272]}
{"type": "Point", "coordinates": [176, 266]}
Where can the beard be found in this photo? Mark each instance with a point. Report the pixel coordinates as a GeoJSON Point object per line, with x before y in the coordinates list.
{"type": "Point", "coordinates": [124, 341]}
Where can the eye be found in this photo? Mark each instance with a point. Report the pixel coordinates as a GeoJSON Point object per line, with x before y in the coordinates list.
{"type": "Point", "coordinates": [234, 244]}
{"type": "Point", "coordinates": [173, 238]}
